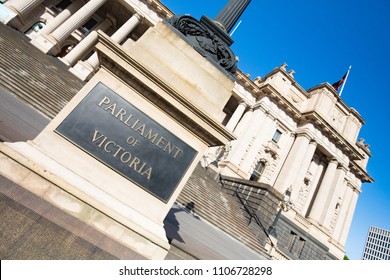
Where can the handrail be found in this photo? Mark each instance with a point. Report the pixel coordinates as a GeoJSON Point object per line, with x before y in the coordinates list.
{"type": "Point", "coordinates": [252, 214]}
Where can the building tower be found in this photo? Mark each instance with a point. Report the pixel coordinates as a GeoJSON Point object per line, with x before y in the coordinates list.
{"type": "Point", "coordinates": [377, 245]}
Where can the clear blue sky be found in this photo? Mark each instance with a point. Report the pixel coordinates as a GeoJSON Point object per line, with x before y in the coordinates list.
{"type": "Point", "coordinates": [319, 40]}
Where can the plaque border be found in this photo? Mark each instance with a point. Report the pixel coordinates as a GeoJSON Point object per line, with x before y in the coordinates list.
{"type": "Point", "coordinates": [180, 178]}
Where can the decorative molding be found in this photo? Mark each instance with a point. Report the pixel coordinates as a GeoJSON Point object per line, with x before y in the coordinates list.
{"type": "Point", "coordinates": [272, 148]}
{"type": "Point", "coordinates": [205, 42]}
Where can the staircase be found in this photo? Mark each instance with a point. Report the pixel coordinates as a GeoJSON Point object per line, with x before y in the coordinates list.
{"type": "Point", "coordinates": [38, 79]}
{"type": "Point", "coordinates": [207, 199]}
{"type": "Point", "coordinates": [45, 83]}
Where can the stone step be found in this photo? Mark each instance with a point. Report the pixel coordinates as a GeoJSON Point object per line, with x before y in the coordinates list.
{"type": "Point", "coordinates": [206, 194]}
{"type": "Point", "coordinates": [29, 55]}
{"type": "Point", "coordinates": [23, 91]}
{"type": "Point", "coordinates": [36, 78]}
{"type": "Point", "coordinates": [24, 67]}
{"type": "Point", "coordinates": [22, 43]}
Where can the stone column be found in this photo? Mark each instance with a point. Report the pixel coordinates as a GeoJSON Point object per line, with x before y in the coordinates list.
{"type": "Point", "coordinates": [235, 118]}
{"type": "Point", "coordinates": [347, 209]}
{"type": "Point", "coordinates": [85, 45]}
{"type": "Point", "coordinates": [316, 168]}
{"type": "Point", "coordinates": [245, 131]}
{"type": "Point", "coordinates": [349, 216]}
{"type": "Point", "coordinates": [246, 136]}
{"type": "Point", "coordinates": [244, 123]}
{"type": "Point", "coordinates": [52, 42]}
{"type": "Point", "coordinates": [261, 137]}
{"type": "Point", "coordinates": [19, 11]}
{"type": "Point", "coordinates": [22, 7]}
{"type": "Point", "coordinates": [212, 153]}
{"type": "Point", "coordinates": [118, 37]}
{"type": "Point", "coordinates": [328, 214]}
{"type": "Point", "coordinates": [321, 200]}
{"type": "Point", "coordinates": [291, 166]}
{"type": "Point", "coordinates": [345, 203]}
{"type": "Point", "coordinates": [61, 17]}
{"type": "Point", "coordinates": [84, 70]}
{"type": "Point", "coordinates": [303, 170]}
{"type": "Point", "coordinates": [126, 28]}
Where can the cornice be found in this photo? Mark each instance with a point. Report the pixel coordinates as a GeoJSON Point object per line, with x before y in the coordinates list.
{"type": "Point", "coordinates": [160, 8]}
{"type": "Point", "coordinates": [288, 76]}
{"type": "Point", "coordinates": [360, 172]}
{"type": "Point", "coordinates": [247, 83]}
{"type": "Point", "coordinates": [364, 148]}
{"type": "Point", "coordinates": [283, 102]}
{"type": "Point", "coordinates": [320, 122]}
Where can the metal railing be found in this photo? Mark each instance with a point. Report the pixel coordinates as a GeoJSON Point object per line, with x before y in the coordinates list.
{"type": "Point", "coordinates": [252, 215]}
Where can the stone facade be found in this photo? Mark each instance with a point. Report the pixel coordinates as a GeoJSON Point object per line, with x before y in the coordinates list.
{"type": "Point", "coordinates": [306, 140]}
{"type": "Point", "coordinates": [287, 137]}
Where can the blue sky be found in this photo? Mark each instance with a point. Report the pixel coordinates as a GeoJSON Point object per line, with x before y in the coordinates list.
{"type": "Point", "coordinates": [319, 40]}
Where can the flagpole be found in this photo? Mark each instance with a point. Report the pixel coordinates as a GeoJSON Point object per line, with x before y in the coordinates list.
{"type": "Point", "coordinates": [341, 91]}
{"type": "Point", "coordinates": [231, 34]}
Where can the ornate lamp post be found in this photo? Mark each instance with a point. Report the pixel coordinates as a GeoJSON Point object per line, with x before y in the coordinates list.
{"type": "Point", "coordinates": [210, 37]}
{"type": "Point", "coordinates": [285, 205]}
{"type": "Point", "coordinates": [230, 14]}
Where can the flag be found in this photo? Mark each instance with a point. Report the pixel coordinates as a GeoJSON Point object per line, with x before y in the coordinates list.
{"type": "Point", "coordinates": [338, 84]}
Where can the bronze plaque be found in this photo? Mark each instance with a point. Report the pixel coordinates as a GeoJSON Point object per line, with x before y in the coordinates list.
{"type": "Point", "coordinates": [127, 140]}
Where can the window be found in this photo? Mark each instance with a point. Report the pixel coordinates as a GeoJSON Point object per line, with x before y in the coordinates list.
{"type": "Point", "coordinates": [35, 28]}
{"type": "Point", "coordinates": [88, 26]}
{"type": "Point", "coordinates": [276, 136]}
{"type": "Point", "coordinates": [38, 26]}
{"type": "Point", "coordinates": [63, 4]}
{"type": "Point", "coordinates": [295, 244]}
{"type": "Point", "coordinates": [258, 170]}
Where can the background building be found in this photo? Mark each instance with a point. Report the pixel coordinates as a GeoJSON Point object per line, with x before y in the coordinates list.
{"type": "Point", "coordinates": [294, 173]}
{"type": "Point", "coordinates": [377, 245]}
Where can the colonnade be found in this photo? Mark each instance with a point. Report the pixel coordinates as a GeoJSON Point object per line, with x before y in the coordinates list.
{"type": "Point", "coordinates": [326, 185]}
{"type": "Point", "coordinates": [85, 69]}
{"type": "Point", "coordinates": [52, 37]}
{"type": "Point", "coordinates": [327, 180]}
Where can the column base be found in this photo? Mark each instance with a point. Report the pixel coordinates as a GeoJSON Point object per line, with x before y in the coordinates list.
{"type": "Point", "coordinates": [47, 44]}
{"type": "Point", "coordinates": [83, 70]}
{"type": "Point", "coordinates": [66, 62]}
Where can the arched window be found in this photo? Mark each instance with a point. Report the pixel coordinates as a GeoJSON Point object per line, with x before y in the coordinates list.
{"type": "Point", "coordinates": [258, 170]}
{"type": "Point", "coordinates": [35, 28]}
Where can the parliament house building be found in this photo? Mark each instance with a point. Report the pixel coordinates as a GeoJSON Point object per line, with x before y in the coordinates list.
{"type": "Point", "coordinates": [281, 183]}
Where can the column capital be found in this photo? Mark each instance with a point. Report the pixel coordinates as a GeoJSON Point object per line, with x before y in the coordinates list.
{"type": "Point", "coordinates": [139, 16]}
{"type": "Point", "coordinates": [343, 167]}
{"type": "Point", "coordinates": [305, 134]}
{"type": "Point", "coordinates": [313, 142]}
{"type": "Point", "coordinates": [250, 108]}
{"type": "Point", "coordinates": [353, 187]}
{"type": "Point", "coordinates": [242, 102]}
